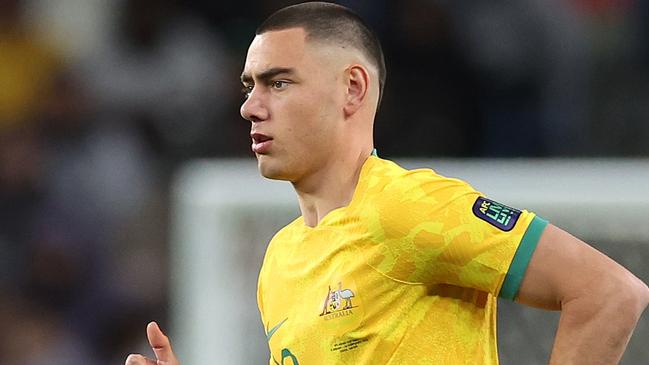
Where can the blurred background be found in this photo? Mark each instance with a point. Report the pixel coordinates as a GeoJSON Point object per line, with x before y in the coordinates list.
{"type": "Point", "coordinates": [101, 102]}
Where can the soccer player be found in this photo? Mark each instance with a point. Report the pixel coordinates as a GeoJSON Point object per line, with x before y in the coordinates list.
{"type": "Point", "coordinates": [386, 265]}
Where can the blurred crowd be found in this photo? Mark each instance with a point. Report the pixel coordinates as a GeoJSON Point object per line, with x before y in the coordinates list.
{"type": "Point", "coordinates": [101, 101]}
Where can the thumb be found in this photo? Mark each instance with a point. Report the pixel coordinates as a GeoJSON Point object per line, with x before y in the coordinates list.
{"type": "Point", "coordinates": [160, 344]}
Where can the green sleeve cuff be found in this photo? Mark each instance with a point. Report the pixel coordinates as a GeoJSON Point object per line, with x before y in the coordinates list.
{"type": "Point", "coordinates": [522, 258]}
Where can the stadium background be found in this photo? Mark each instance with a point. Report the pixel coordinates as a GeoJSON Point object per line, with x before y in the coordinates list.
{"type": "Point", "coordinates": [101, 102]}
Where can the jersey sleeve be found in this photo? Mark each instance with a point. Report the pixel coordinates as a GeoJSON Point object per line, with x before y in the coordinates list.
{"type": "Point", "coordinates": [436, 230]}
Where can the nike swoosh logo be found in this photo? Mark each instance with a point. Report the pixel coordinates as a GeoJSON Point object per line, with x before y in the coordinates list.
{"type": "Point", "coordinates": [274, 329]}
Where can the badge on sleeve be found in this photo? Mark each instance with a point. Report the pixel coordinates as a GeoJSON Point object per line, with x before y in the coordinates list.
{"type": "Point", "coordinates": [496, 214]}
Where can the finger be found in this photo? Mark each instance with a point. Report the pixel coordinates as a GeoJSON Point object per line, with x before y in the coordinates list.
{"type": "Point", "coordinates": [137, 359]}
{"type": "Point", "coordinates": [159, 343]}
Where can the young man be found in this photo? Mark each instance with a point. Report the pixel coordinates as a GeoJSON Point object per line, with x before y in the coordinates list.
{"type": "Point", "coordinates": [386, 265]}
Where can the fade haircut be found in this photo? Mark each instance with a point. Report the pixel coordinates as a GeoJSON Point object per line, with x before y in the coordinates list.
{"type": "Point", "coordinates": [331, 23]}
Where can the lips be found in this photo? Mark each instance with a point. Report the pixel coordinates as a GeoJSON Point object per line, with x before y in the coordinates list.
{"type": "Point", "coordinates": [261, 143]}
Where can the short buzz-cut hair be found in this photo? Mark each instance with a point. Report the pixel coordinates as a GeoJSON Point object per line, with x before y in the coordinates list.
{"type": "Point", "coordinates": [333, 23]}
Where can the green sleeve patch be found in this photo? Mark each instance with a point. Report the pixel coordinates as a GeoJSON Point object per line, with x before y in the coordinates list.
{"type": "Point", "coordinates": [522, 258]}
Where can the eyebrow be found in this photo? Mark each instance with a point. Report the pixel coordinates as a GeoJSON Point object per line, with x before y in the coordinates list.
{"type": "Point", "coordinates": [268, 74]}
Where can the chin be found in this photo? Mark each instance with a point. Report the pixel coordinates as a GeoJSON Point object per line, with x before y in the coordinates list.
{"type": "Point", "coordinates": [270, 169]}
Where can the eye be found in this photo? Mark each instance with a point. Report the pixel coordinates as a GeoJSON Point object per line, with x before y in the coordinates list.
{"type": "Point", "coordinates": [246, 90]}
{"type": "Point", "coordinates": [279, 84]}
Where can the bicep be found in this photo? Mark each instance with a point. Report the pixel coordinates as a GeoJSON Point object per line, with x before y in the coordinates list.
{"type": "Point", "coordinates": [562, 268]}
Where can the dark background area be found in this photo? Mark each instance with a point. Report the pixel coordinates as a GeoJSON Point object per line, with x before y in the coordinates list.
{"type": "Point", "coordinates": [101, 101]}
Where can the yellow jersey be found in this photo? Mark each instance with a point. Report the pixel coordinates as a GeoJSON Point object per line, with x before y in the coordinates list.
{"type": "Point", "coordinates": [408, 273]}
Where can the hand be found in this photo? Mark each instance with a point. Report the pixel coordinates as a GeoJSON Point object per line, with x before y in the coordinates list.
{"type": "Point", "coordinates": [161, 347]}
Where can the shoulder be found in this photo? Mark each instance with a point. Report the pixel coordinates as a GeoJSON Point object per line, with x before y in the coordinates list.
{"type": "Point", "coordinates": [403, 202]}
{"type": "Point", "coordinates": [392, 184]}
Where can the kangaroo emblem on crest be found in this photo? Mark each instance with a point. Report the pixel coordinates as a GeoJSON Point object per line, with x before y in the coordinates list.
{"type": "Point", "coordinates": [334, 300]}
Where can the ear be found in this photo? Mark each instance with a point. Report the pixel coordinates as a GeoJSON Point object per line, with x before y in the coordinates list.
{"type": "Point", "coordinates": [358, 80]}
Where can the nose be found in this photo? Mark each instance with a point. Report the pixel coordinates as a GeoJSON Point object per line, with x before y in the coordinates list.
{"type": "Point", "coordinates": [254, 108]}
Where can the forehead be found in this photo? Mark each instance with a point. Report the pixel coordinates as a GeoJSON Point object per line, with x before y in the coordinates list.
{"type": "Point", "coordinates": [281, 48]}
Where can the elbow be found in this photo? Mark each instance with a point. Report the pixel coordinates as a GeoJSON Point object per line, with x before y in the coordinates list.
{"type": "Point", "coordinates": [633, 296]}
{"type": "Point", "coordinates": [618, 295]}
{"type": "Point", "coordinates": [643, 294]}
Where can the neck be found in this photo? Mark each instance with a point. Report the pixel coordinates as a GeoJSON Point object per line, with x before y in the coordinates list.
{"type": "Point", "coordinates": [330, 187]}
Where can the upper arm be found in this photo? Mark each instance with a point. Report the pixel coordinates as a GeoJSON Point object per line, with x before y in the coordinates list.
{"type": "Point", "coordinates": [439, 231]}
{"type": "Point", "coordinates": [563, 268]}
